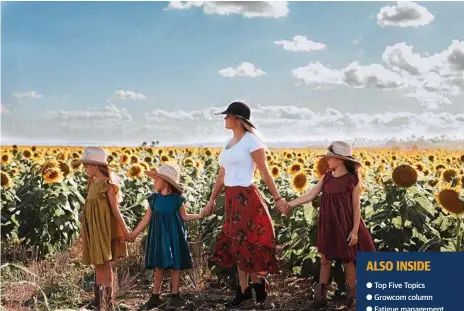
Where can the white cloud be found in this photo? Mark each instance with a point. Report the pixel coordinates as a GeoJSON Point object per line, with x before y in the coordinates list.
{"type": "Point", "coordinates": [292, 124]}
{"type": "Point", "coordinates": [431, 79]}
{"type": "Point", "coordinates": [105, 119]}
{"type": "Point", "coordinates": [248, 9]}
{"type": "Point", "coordinates": [245, 69]}
{"type": "Point", "coordinates": [125, 95]}
{"type": "Point", "coordinates": [356, 41]}
{"type": "Point", "coordinates": [404, 14]}
{"type": "Point", "coordinates": [354, 75]}
{"type": "Point", "coordinates": [30, 94]}
{"type": "Point", "coordinates": [300, 44]}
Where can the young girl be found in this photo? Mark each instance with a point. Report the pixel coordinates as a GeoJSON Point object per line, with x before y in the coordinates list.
{"type": "Point", "coordinates": [341, 231]}
{"type": "Point", "coordinates": [166, 245]}
{"type": "Point", "coordinates": [103, 229]}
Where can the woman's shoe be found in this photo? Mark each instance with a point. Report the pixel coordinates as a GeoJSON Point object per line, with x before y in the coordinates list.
{"type": "Point", "coordinates": [260, 291]}
{"type": "Point", "coordinates": [240, 297]}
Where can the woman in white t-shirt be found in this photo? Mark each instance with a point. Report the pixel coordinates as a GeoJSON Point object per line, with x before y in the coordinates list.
{"type": "Point", "coordinates": [247, 237]}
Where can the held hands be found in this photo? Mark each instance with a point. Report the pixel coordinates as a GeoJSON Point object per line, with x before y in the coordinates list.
{"type": "Point", "coordinates": [352, 239]}
{"type": "Point", "coordinates": [131, 237]}
{"type": "Point", "coordinates": [282, 206]}
{"type": "Point", "coordinates": [209, 209]}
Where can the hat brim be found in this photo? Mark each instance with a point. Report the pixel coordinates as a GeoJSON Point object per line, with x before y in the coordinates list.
{"type": "Point", "coordinates": [154, 173]}
{"type": "Point", "coordinates": [242, 118]}
{"type": "Point", "coordinates": [339, 157]}
{"type": "Point", "coordinates": [92, 162]}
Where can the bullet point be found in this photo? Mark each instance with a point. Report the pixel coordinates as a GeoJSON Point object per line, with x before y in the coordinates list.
{"type": "Point", "coordinates": [369, 309]}
{"type": "Point", "coordinates": [369, 297]}
{"type": "Point", "coordinates": [369, 285]}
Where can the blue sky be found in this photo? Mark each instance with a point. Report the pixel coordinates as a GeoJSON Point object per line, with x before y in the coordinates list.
{"type": "Point", "coordinates": [64, 62]}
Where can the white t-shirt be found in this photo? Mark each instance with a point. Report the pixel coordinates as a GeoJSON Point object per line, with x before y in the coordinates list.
{"type": "Point", "coordinates": [237, 161]}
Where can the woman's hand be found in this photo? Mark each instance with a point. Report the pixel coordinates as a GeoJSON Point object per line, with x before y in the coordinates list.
{"type": "Point", "coordinates": [352, 239]}
{"type": "Point", "coordinates": [282, 206]}
{"type": "Point", "coordinates": [209, 208]}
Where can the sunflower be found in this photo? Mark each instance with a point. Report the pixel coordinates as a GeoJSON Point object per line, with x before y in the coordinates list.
{"type": "Point", "coordinates": [300, 160]}
{"type": "Point", "coordinates": [34, 148]}
{"type": "Point", "coordinates": [76, 155]}
{"type": "Point", "coordinates": [188, 161]}
{"type": "Point", "coordinates": [76, 165]}
{"type": "Point", "coordinates": [208, 152]}
{"type": "Point", "coordinates": [449, 200]}
{"type": "Point", "coordinates": [63, 156]}
{"type": "Point", "coordinates": [199, 164]}
{"type": "Point", "coordinates": [135, 171]}
{"type": "Point", "coordinates": [65, 169]}
{"type": "Point", "coordinates": [52, 176]}
{"type": "Point", "coordinates": [134, 159]}
{"type": "Point", "coordinates": [148, 159]}
{"type": "Point", "coordinates": [289, 156]}
{"type": "Point", "coordinates": [5, 159]}
{"type": "Point", "coordinates": [27, 153]}
{"type": "Point", "coordinates": [145, 165]}
{"type": "Point", "coordinates": [367, 163]}
{"type": "Point", "coordinates": [124, 159]}
{"type": "Point", "coordinates": [164, 159]}
{"type": "Point", "coordinates": [433, 182]}
{"type": "Point", "coordinates": [461, 158]}
{"type": "Point", "coordinates": [439, 167]}
{"type": "Point", "coordinates": [294, 168]}
{"type": "Point", "coordinates": [420, 166]}
{"type": "Point", "coordinates": [6, 181]}
{"type": "Point", "coordinates": [275, 171]}
{"type": "Point", "coordinates": [300, 182]}
{"type": "Point", "coordinates": [404, 175]}
{"type": "Point", "coordinates": [49, 165]}
{"type": "Point", "coordinates": [449, 175]}
{"type": "Point", "coordinates": [322, 167]}
{"type": "Point", "coordinates": [14, 171]}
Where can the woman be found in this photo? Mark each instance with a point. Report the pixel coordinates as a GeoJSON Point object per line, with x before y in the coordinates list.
{"type": "Point", "coordinates": [247, 237]}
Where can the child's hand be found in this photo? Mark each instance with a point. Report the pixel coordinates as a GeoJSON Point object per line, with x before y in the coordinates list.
{"type": "Point", "coordinates": [352, 239]}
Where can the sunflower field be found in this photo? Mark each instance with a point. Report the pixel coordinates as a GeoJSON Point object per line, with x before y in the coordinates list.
{"type": "Point", "coordinates": [412, 199]}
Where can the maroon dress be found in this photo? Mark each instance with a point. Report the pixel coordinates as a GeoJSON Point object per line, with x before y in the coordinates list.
{"type": "Point", "coordinates": [336, 220]}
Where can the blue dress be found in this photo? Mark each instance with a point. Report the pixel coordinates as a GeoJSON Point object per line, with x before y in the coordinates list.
{"type": "Point", "coordinates": [166, 245]}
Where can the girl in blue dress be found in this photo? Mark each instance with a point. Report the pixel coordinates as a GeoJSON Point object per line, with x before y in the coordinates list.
{"type": "Point", "coordinates": [166, 245]}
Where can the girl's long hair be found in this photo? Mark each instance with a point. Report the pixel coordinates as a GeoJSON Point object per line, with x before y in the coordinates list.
{"type": "Point", "coordinates": [113, 178]}
{"type": "Point", "coordinates": [354, 169]}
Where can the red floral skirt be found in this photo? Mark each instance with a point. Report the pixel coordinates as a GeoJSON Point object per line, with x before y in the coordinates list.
{"type": "Point", "coordinates": [247, 236]}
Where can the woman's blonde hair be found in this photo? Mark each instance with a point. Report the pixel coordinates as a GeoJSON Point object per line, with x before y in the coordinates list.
{"type": "Point", "coordinates": [253, 131]}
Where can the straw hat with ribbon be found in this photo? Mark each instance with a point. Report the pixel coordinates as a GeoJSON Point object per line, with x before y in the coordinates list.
{"type": "Point", "coordinates": [340, 150]}
{"type": "Point", "coordinates": [94, 155]}
{"type": "Point", "coordinates": [167, 172]}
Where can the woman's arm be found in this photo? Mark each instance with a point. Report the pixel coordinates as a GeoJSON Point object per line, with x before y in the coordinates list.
{"type": "Point", "coordinates": [259, 156]}
{"type": "Point", "coordinates": [188, 217]}
{"type": "Point", "coordinates": [308, 197]}
{"type": "Point", "coordinates": [112, 197]}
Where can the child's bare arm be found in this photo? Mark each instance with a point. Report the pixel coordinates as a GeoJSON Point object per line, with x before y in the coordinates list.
{"type": "Point", "coordinates": [308, 197]}
{"type": "Point", "coordinates": [142, 224]}
{"type": "Point", "coordinates": [189, 217]}
{"type": "Point", "coordinates": [112, 197]}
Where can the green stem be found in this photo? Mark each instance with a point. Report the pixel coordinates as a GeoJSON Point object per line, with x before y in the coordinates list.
{"type": "Point", "coordinates": [458, 234]}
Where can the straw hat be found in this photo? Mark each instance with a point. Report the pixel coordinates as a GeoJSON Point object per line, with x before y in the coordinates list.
{"type": "Point", "coordinates": [340, 150]}
{"type": "Point", "coordinates": [168, 173]}
{"type": "Point", "coordinates": [94, 155]}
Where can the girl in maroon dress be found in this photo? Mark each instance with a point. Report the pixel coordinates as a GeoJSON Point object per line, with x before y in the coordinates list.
{"type": "Point", "coordinates": [341, 231]}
